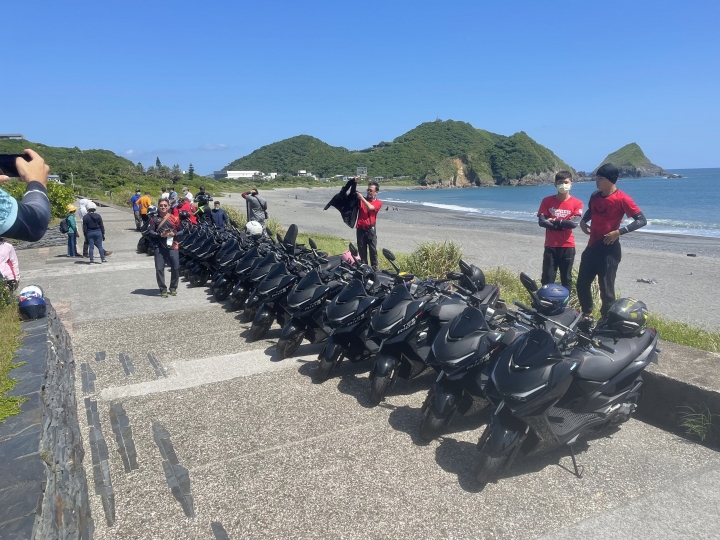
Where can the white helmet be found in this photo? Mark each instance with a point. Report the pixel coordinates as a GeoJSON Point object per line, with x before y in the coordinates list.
{"type": "Point", "coordinates": [90, 205]}
{"type": "Point", "coordinates": [254, 229]}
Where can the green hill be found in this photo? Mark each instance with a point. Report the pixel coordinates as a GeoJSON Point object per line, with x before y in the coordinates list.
{"type": "Point", "coordinates": [434, 152]}
{"type": "Point", "coordinates": [632, 162]}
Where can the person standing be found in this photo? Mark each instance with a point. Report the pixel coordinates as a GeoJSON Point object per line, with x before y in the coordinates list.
{"type": "Point", "coordinates": [145, 202]}
{"type": "Point", "coordinates": [559, 214]}
{"type": "Point", "coordinates": [9, 266]}
{"type": "Point", "coordinates": [165, 230]}
{"type": "Point", "coordinates": [219, 216]}
{"type": "Point", "coordinates": [173, 198]}
{"type": "Point", "coordinates": [72, 231]}
{"type": "Point", "coordinates": [136, 209]}
{"type": "Point", "coordinates": [601, 257]}
{"type": "Point", "coordinates": [164, 193]}
{"type": "Point", "coordinates": [367, 215]}
{"type": "Point", "coordinates": [94, 231]}
{"type": "Point", "coordinates": [187, 194]}
{"type": "Point", "coordinates": [256, 206]}
{"type": "Point", "coordinates": [202, 200]}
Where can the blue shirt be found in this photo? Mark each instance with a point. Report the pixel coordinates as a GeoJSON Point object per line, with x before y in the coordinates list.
{"type": "Point", "coordinates": [134, 199]}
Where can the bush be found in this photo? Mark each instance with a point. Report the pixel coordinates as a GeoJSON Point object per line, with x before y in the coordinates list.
{"type": "Point", "coordinates": [60, 196]}
{"type": "Point", "coordinates": [234, 214]}
{"type": "Point", "coordinates": [434, 259]}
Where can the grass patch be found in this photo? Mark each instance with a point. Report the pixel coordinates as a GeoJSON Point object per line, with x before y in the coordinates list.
{"type": "Point", "coordinates": [325, 242]}
{"type": "Point", "coordinates": [697, 421]}
{"type": "Point", "coordinates": [9, 342]}
{"type": "Point", "coordinates": [685, 334]}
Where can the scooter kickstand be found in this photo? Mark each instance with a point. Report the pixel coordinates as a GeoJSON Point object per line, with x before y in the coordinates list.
{"type": "Point", "coordinates": [578, 471]}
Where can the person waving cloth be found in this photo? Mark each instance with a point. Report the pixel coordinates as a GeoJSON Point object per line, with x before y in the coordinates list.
{"type": "Point", "coordinates": [606, 210]}
{"type": "Point", "coordinates": [367, 215]}
{"type": "Point", "coordinates": [165, 230]}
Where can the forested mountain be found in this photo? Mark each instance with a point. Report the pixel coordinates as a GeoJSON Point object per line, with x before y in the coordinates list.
{"type": "Point", "coordinates": [447, 152]}
{"type": "Point", "coordinates": [632, 162]}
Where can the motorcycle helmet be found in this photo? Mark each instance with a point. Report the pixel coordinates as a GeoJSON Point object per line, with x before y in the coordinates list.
{"type": "Point", "coordinates": [152, 210]}
{"type": "Point", "coordinates": [473, 279]}
{"type": "Point", "coordinates": [253, 229]}
{"type": "Point", "coordinates": [31, 303]}
{"type": "Point", "coordinates": [627, 317]}
{"type": "Point", "coordinates": [90, 206]}
{"type": "Point", "coordinates": [184, 215]}
{"type": "Point", "coordinates": [553, 299]}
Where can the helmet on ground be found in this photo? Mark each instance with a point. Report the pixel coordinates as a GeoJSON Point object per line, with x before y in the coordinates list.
{"type": "Point", "coordinates": [90, 205]}
{"type": "Point", "coordinates": [184, 215]}
{"type": "Point", "coordinates": [627, 316]}
{"type": "Point", "coordinates": [31, 303]}
{"type": "Point", "coordinates": [152, 210]}
{"type": "Point", "coordinates": [254, 229]}
{"type": "Point", "coordinates": [553, 298]}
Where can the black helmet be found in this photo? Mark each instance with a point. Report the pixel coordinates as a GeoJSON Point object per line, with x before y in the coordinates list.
{"type": "Point", "coordinates": [553, 299]}
{"type": "Point", "coordinates": [627, 316]}
{"type": "Point", "coordinates": [184, 215]}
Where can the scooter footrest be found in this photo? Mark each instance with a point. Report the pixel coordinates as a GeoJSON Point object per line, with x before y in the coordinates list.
{"type": "Point", "coordinates": [564, 421]}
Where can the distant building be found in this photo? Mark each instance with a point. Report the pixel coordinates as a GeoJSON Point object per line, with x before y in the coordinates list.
{"type": "Point", "coordinates": [55, 178]}
{"type": "Point", "coordinates": [11, 136]}
{"type": "Point", "coordinates": [303, 173]}
{"type": "Point", "coordinates": [379, 178]}
{"type": "Point", "coordinates": [235, 174]}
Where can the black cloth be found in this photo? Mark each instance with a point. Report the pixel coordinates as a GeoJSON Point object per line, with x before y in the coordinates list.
{"type": "Point", "coordinates": [601, 261]}
{"type": "Point", "coordinates": [347, 203]}
{"type": "Point", "coordinates": [93, 222]}
{"type": "Point", "coordinates": [558, 258]}
{"type": "Point", "coordinates": [367, 240]}
{"type": "Point", "coordinates": [172, 258]}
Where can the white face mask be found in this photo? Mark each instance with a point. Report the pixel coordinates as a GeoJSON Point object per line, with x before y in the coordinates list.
{"type": "Point", "coordinates": [562, 189]}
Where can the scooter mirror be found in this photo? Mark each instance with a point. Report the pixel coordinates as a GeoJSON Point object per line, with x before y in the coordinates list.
{"type": "Point", "coordinates": [528, 282]}
{"type": "Point", "coordinates": [312, 243]}
{"type": "Point", "coordinates": [454, 275]}
{"type": "Point", "coordinates": [353, 249]}
{"type": "Point", "coordinates": [389, 255]}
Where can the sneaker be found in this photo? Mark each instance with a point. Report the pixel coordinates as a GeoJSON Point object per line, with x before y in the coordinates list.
{"type": "Point", "coordinates": [108, 253]}
{"type": "Point", "coordinates": [104, 260]}
{"type": "Point", "coordinates": [173, 293]}
{"type": "Point", "coordinates": [164, 294]}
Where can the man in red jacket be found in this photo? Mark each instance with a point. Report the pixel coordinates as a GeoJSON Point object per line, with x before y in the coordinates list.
{"type": "Point", "coordinates": [367, 215]}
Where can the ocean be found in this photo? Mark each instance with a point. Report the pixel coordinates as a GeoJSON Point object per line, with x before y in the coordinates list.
{"type": "Point", "coordinates": [688, 205]}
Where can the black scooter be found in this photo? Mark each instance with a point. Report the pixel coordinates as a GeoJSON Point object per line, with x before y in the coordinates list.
{"type": "Point", "coordinates": [406, 324]}
{"type": "Point", "coordinates": [552, 392]}
{"type": "Point", "coordinates": [465, 351]}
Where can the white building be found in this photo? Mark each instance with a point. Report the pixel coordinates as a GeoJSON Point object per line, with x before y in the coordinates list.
{"type": "Point", "coordinates": [235, 174]}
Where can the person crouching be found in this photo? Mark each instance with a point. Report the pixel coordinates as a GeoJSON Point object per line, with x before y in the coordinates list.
{"type": "Point", "coordinates": [165, 230]}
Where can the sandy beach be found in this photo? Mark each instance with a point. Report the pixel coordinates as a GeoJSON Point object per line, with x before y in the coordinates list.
{"type": "Point", "coordinates": [685, 288]}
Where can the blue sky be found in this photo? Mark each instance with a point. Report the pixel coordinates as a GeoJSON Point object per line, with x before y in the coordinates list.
{"type": "Point", "coordinates": [208, 82]}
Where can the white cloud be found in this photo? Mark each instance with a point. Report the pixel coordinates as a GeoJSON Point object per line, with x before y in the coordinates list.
{"type": "Point", "coordinates": [211, 147]}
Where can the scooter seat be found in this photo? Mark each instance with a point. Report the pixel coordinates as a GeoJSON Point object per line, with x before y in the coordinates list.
{"type": "Point", "coordinates": [601, 365]}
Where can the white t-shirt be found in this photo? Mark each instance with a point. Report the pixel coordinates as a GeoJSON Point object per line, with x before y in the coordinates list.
{"type": "Point", "coordinates": [189, 197]}
{"type": "Point", "coordinates": [165, 196]}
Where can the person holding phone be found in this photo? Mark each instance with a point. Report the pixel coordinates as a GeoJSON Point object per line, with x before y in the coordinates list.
{"type": "Point", "coordinates": [165, 230]}
{"type": "Point", "coordinates": [28, 219]}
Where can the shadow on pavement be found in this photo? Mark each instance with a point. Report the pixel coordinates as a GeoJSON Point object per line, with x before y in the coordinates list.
{"type": "Point", "coordinates": [407, 419]}
{"type": "Point", "coordinates": [147, 292]}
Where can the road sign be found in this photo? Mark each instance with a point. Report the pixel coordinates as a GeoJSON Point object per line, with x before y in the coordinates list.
{"type": "Point", "coordinates": [362, 172]}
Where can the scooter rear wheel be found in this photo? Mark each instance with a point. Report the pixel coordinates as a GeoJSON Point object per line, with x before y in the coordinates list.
{"type": "Point", "coordinates": [378, 388]}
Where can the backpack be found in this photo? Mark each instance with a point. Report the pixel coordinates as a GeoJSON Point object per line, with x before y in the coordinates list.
{"type": "Point", "coordinates": [64, 226]}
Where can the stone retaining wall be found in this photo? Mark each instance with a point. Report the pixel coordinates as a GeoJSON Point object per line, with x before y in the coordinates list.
{"type": "Point", "coordinates": [53, 237]}
{"type": "Point", "coordinates": [64, 511]}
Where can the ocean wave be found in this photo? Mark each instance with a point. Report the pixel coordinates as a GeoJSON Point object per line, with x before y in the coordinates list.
{"type": "Point", "coordinates": [507, 214]}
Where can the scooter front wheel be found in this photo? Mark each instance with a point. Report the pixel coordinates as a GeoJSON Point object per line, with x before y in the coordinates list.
{"type": "Point", "coordinates": [431, 426]}
{"type": "Point", "coordinates": [223, 291]}
{"type": "Point", "coordinates": [378, 388]}
{"type": "Point", "coordinates": [287, 347]}
{"type": "Point", "coordinates": [323, 370]}
{"type": "Point", "coordinates": [249, 314]}
{"type": "Point", "coordinates": [258, 330]}
{"type": "Point", "coordinates": [488, 468]}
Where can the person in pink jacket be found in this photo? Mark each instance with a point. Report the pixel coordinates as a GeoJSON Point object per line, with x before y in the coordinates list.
{"type": "Point", "coordinates": [9, 267]}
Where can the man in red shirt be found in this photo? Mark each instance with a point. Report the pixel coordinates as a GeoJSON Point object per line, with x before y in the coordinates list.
{"type": "Point", "coordinates": [367, 214]}
{"type": "Point", "coordinates": [559, 215]}
{"type": "Point", "coordinates": [601, 257]}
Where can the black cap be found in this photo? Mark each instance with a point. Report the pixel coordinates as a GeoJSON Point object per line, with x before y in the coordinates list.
{"type": "Point", "coordinates": [608, 171]}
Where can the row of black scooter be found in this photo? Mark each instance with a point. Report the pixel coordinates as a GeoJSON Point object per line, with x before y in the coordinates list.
{"type": "Point", "coordinates": [543, 382]}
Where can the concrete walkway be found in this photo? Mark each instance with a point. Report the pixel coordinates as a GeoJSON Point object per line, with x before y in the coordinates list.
{"type": "Point", "coordinates": [210, 437]}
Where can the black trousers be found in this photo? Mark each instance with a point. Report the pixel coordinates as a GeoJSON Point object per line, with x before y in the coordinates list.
{"type": "Point", "coordinates": [172, 258]}
{"type": "Point", "coordinates": [554, 259]}
{"type": "Point", "coordinates": [599, 261]}
{"type": "Point", "coordinates": [367, 240]}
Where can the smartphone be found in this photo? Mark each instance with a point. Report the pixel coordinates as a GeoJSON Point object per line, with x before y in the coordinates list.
{"type": "Point", "coordinates": [7, 164]}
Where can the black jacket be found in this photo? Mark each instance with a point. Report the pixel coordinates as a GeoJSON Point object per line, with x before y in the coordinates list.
{"type": "Point", "coordinates": [347, 203]}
